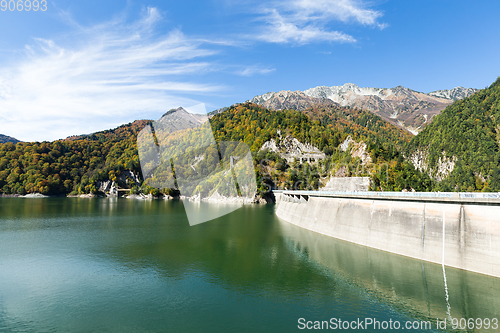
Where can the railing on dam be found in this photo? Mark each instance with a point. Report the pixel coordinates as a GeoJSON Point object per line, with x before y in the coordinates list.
{"type": "Point", "coordinates": [460, 197]}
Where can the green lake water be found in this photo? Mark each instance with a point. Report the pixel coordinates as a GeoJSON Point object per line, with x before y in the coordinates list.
{"type": "Point", "coordinates": [118, 265]}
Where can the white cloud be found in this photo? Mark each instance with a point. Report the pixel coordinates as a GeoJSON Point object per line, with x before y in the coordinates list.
{"type": "Point", "coordinates": [306, 21]}
{"type": "Point", "coordinates": [114, 74]}
{"type": "Point", "coordinates": [101, 76]}
{"type": "Point", "coordinates": [284, 30]}
{"type": "Point", "coordinates": [343, 10]}
{"type": "Point", "coordinates": [253, 70]}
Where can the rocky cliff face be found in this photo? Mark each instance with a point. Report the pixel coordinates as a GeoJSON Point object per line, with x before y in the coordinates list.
{"type": "Point", "coordinates": [356, 149]}
{"type": "Point", "coordinates": [404, 107]}
{"type": "Point", "coordinates": [290, 148]}
{"type": "Point", "coordinates": [444, 165]}
{"type": "Point", "coordinates": [125, 180]}
{"type": "Point", "coordinates": [455, 93]}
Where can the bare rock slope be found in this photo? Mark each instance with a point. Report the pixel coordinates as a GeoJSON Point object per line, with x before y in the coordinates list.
{"type": "Point", "coordinates": [404, 107]}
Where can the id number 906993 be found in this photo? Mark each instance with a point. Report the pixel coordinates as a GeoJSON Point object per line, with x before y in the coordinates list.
{"type": "Point", "coordinates": [472, 323]}
{"type": "Point", "coordinates": [23, 5]}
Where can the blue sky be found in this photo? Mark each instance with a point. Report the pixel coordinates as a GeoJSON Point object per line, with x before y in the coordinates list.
{"type": "Point", "coordinates": [84, 66]}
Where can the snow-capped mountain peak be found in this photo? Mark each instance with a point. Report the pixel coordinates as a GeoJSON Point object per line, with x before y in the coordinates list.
{"type": "Point", "coordinates": [455, 93]}
{"type": "Point", "coordinates": [400, 105]}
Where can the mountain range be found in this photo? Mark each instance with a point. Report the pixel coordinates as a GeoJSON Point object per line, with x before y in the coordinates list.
{"type": "Point", "coordinates": [401, 106]}
{"type": "Point", "coordinates": [458, 151]}
{"type": "Point", "coordinates": [455, 93]}
{"type": "Point", "coordinates": [5, 139]}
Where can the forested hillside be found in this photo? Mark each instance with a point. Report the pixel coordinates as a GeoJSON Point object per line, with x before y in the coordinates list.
{"type": "Point", "coordinates": [69, 166]}
{"type": "Point", "coordinates": [461, 145]}
{"type": "Point", "coordinates": [77, 164]}
{"type": "Point", "coordinates": [325, 128]}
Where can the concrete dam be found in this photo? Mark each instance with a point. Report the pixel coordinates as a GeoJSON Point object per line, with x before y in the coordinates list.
{"type": "Point", "coordinates": [460, 230]}
{"type": "Point", "coordinates": [418, 287]}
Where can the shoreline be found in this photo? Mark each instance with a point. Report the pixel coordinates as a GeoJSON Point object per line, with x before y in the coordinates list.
{"type": "Point", "coordinates": [245, 200]}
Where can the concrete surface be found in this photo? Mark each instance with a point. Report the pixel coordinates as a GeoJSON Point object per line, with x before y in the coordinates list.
{"type": "Point", "coordinates": [348, 184]}
{"type": "Point", "coordinates": [457, 231]}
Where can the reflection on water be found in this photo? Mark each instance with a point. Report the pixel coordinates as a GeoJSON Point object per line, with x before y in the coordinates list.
{"type": "Point", "coordinates": [426, 290]}
{"type": "Point", "coordinates": [200, 211]}
{"type": "Point", "coordinates": [100, 265]}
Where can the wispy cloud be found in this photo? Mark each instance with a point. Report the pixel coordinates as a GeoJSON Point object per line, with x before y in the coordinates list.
{"type": "Point", "coordinates": [254, 70]}
{"type": "Point", "coordinates": [282, 29]}
{"type": "Point", "coordinates": [115, 73]}
{"type": "Point", "coordinates": [306, 21]}
{"type": "Point", "coordinates": [103, 75]}
{"type": "Point", "coordinates": [343, 10]}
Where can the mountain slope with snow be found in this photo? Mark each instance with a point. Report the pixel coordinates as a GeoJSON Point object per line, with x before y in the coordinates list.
{"type": "Point", "coordinates": [455, 93]}
{"type": "Point", "coordinates": [287, 99]}
{"type": "Point", "coordinates": [402, 106]}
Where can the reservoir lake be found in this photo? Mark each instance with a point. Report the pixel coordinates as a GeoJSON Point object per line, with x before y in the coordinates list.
{"type": "Point", "coordinates": [123, 265]}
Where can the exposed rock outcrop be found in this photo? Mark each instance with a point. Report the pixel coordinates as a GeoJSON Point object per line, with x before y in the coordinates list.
{"type": "Point", "coordinates": [455, 93]}
{"type": "Point", "coordinates": [34, 195]}
{"type": "Point", "coordinates": [140, 196]}
{"type": "Point", "coordinates": [127, 178]}
{"type": "Point", "coordinates": [290, 148]}
{"type": "Point", "coordinates": [107, 187]}
{"type": "Point", "coordinates": [356, 149]}
{"type": "Point", "coordinates": [442, 169]}
{"type": "Point", "coordinates": [104, 186]}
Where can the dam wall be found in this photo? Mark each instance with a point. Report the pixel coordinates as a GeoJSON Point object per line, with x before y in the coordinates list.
{"type": "Point", "coordinates": [452, 230]}
{"type": "Point", "coordinates": [418, 287]}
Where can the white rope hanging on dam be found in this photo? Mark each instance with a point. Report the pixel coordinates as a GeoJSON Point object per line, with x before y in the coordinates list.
{"type": "Point", "coordinates": [448, 307]}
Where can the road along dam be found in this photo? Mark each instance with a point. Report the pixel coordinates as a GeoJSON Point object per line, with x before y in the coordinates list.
{"type": "Point", "coordinates": [460, 230]}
